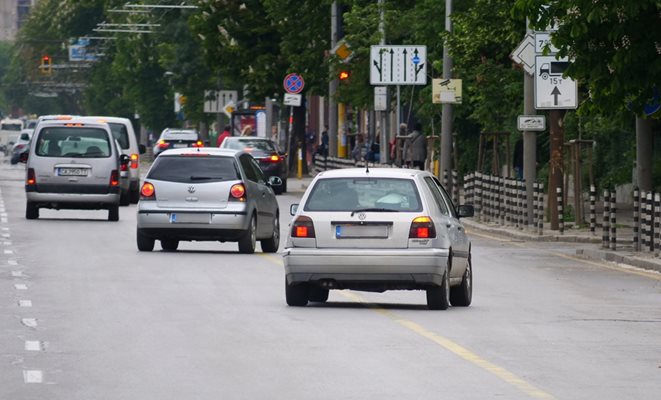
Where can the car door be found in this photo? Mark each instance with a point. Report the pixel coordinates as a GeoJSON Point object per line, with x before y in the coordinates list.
{"type": "Point", "coordinates": [256, 191]}
{"type": "Point", "coordinates": [267, 202]}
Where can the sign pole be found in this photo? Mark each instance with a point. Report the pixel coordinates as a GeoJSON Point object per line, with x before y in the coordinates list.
{"type": "Point", "coordinates": [529, 141]}
{"type": "Point", "coordinates": [446, 118]}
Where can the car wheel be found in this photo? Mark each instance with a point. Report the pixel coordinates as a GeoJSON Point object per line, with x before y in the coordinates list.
{"type": "Point", "coordinates": [296, 295]}
{"type": "Point", "coordinates": [317, 294]}
{"type": "Point", "coordinates": [145, 243]}
{"type": "Point", "coordinates": [248, 242]}
{"type": "Point", "coordinates": [462, 295]}
{"type": "Point", "coordinates": [284, 186]}
{"type": "Point", "coordinates": [113, 213]}
{"type": "Point", "coordinates": [124, 199]}
{"type": "Point", "coordinates": [134, 195]}
{"type": "Point", "coordinates": [169, 244]}
{"type": "Point", "coordinates": [438, 297]}
{"type": "Point", "coordinates": [271, 244]}
{"type": "Point", "coordinates": [31, 211]}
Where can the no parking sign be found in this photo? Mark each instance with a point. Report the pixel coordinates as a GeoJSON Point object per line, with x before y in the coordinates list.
{"type": "Point", "coordinates": [293, 83]}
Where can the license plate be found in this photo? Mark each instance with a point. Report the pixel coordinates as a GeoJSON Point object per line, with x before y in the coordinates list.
{"type": "Point", "coordinates": [361, 231]}
{"type": "Point", "coordinates": [179, 145]}
{"type": "Point", "coordinates": [190, 218]}
{"type": "Point", "coordinates": [72, 171]}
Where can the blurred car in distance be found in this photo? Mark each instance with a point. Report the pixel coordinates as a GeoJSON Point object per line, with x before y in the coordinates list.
{"type": "Point", "coordinates": [272, 161]}
{"type": "Point", "coordinates": [175, 139]}
{"type": "Point", "coordinates": [22, 146]}
{"type": "Point", "coordinates": [377, 230]}
{"type": "Point", "coordinates": [208, 194]}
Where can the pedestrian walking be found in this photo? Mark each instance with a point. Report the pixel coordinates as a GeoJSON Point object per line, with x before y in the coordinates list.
{"type": "Point", "coordinates": [223, 135]}
{"type": "Point", "coordinates": [415, 148]}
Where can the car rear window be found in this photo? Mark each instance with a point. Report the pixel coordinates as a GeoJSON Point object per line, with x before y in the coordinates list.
{"type": "Point", "coordinates": [180, 135]}
{"type": "Point", "coordinates": [120, 133]}
{"type": "Point", "coordinates": [349, 194]}
{"type": "Point", "coordinates": [194, 169]}
{"type": "Point", "coordinates": [79, 142]}
{"type": "Point", "coordinates": [249, 145]}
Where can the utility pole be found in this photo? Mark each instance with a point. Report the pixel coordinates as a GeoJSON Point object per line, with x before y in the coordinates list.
{"type": "Point", "coordinates": [529, 140]}
{"type": "Point", "coordinates": [383, 115]}
{"type": "Point", "coordinates": [644, 152]}
{"type": "Point", "coordinates": [332, 90]}
{"type": "Point", "coordinates": [446, 120]}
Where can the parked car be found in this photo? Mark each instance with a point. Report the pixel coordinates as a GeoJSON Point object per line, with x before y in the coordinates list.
{"type": "Point", "coordinates": [21, 146]}
{"type": "Point", "coordinates": [208, 194]}
{"type": "Point", "coordinates": [272, 161]}
{"type": "Point", "coordinates": [73, 164]}
{"type": "Point", "coordinates": [377, 230]}
{"type": "Point", "coordinates": [122, 130]}
{"type": "Point", "coordinates": [175, 139]}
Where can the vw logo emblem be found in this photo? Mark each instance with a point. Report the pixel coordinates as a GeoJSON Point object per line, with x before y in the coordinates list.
{"type": "Point", "coordinates": [362, 216]}
{"type": "Point", "coordinates": [191, 189]}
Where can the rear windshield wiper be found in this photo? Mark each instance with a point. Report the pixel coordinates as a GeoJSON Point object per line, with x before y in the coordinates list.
{"type": "Point", "coordinates": [204, 178]}
{"type": "Point", "coordinates": [373, 209]}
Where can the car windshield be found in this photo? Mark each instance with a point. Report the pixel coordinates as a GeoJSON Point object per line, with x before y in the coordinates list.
{"type": "Point", "coordinates": [248, 145]}
{"type": "Point", "coordinates": [11, 127]}
{"type": "Point", "coordinates": [76, 142]}
{"type": "Point", "coordinates": [197, 169]}
{"type": "Point", "coordinates": [351, 194]}
{"type": "Point", "coordinates": [120, 133]}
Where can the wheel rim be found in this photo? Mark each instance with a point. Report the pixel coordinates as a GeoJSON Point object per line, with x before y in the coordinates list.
{"type": "Point", "coordinates": [446, 293]}
{"type": "Point", "coordinates": [469, 278]}
{"type": "Point", "coordinates": [276, 229]}
{"type": "Point", "coordinates": [253, 232]}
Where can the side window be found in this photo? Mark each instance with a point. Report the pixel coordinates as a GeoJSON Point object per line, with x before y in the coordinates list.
{"type": "Point", "coordinates": [258, 171]}
{"type": "Point", "coordinates": [246, 166]}
{"type": "Point", "coordinates": [446, 196]}
{"type": "Point", "coordinates": [438, 197]}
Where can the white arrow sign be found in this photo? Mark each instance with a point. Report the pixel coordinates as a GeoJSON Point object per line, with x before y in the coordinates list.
{"type": "Point", "coordinates": [398, 65]}
{"type": "Point", "coordinates": [552, 90]}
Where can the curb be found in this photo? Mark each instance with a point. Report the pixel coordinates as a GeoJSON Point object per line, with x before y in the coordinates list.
{"type": "Point", "coordinates": [619, 258]}
{"type": "Point", "coordinates": [527, 236]}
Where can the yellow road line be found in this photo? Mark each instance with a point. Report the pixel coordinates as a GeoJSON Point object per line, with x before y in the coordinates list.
{"type": "Point", "coordinates": [445, 343]}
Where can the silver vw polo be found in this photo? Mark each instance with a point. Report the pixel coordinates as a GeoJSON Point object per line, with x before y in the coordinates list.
{"type": "Point", "coordinates": [208, 194]}
{"type": "Point", "coordinates": [377, 230]}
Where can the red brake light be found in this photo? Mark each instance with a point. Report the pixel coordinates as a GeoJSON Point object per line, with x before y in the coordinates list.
{"type": "Point", "coordinates": [274, 158]}
{"type": "Point", "coordinates": [422, 228]}
{"type": "Point", "coordinates": [303, 227]}
{"type": "Point", "coordinates": [114, 178]}
{"type": "Point", "coordinates": [31, 179]}
{"type": "Point", "coordinates": [163, 144]}
{"type": "Point", "coordinates": [147, 191]}
{"type": "Point", "coordinates": [238, 192]}
{"type": "Point", "coordinates": [135, 160]}
{"type": "Point", "coordinates": [199, 143]}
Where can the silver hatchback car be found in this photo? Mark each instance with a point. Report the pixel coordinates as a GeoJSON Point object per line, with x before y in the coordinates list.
{"type": "Point", "coordinates": [377, 230]}
{"type": "Point", "coordinates": [208, 194]}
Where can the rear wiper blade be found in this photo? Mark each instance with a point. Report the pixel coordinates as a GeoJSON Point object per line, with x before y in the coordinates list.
{"type": "Point", "coordinates": [204, 178]}
{"type": "Point", "coordinates": [373, 209]}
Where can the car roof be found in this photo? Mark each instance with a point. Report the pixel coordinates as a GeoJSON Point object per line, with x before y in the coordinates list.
{"type": "Point", "coordinates": [239, 138]}
{"type": "Point", "coordinates": [106, 119]}
{"type": "Point", "coordinates": [372, 172]}
{"type": "Point", "coordinates": [73, 120]}
{"type": "Point", "coordinates": [213, 151]}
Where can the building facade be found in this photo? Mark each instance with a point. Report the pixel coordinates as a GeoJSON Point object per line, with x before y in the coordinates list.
{"type": "Point", "coordinates": [13, 14]}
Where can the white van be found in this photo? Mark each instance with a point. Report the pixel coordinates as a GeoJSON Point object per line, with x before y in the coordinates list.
{"type": "Point", "coordinates": [73, 164]}
{"type": "Point", "coordinates": [10, 129]}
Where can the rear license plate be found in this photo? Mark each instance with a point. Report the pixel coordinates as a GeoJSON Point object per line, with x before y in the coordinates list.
{"type": "Point", "coordinates": [72, 171]}
{"type": "Point", "coordinates": [179, 145]}
{"type": "Point", "coordinates": [190, 218]}
{"type": "Point", "coordinates": [361, 231]}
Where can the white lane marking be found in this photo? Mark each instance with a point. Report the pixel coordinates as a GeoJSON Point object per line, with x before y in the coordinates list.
{"type": "Point", "coordinates": [4, 229]}
{"type": "Point", "coordinates": [12, 262]}
{"type": "Point", "coordinates": [3, 214]}
{"type": "Point", "coordinates": [33, 376]}
{"type": "Point", "coordinates": [9, 251]}
{"type": "Point", "coordinates": [21, 286]}
{"type": "Point", "coordinates": [6, 243]}
{"type": "Point", "coordinates": [4, 220]}
{"type": "Point", "coordinates": [29, 322]}
{"type": "Point", "coordinates": [25, 303]}
{"type": "Point", "coordinates": [34, 345]}
{"type": "Point", "coordinates": [17, 274]}
{"type": "Point", "coordinates": [6, 235]}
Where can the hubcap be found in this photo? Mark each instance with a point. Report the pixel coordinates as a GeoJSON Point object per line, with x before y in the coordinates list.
{"type": "Point", "coordinates": [276, 227]}
{"type": "Point", "coordinates": [253, 232]}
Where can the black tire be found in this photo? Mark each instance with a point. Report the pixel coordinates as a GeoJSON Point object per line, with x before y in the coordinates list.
{"type": "Point", "coordinates": [318, 294]}
{"type": "Point", "coordinates": [169, 244]}
{"type": "Point", "coordinates": [438, 297]}
{"type": "Point", "coordinates": [296, 295]}
{"type": "Point", "coordinates": [145, 243]}
{"type": "Point", "coordinates": [284, 186]}
{"type": "Point", "coordinates": [134, 195]}
{"type": "Point", "coordinates": [278, 189]}
{"type": "Point", "coordinates": [31, 211]}
{"type": "Point", "coordinates": [462, 295]}
{"type": "Point", "coordinates": [124, 199]}
{"type": "Point", "coordinates": [248, 242]}
{"type": "Point", "coordinates": [271, 244]}
{"type": "Point", "coordinates": [113, 213]}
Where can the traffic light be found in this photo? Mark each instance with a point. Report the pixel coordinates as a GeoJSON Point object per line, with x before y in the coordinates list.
{"type": "Point", "coordinates": [46, 66]}
{"type": "Point", "coordinates": [344, 75]}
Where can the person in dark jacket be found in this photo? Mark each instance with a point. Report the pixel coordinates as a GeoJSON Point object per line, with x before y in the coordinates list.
{"type": "Point", "coordinates": [415, 148]}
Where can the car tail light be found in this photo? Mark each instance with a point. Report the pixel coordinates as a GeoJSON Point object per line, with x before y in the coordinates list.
{"type": "Point", "coordinates": [302, 227]}
{"type": "Point", "coordinates": [147, 192]}
{"type": "Point", "coordinates": [275, 158]}
{"type": "Point", "coordinates": [238, 192]}
{"type": "Point", "coordinates": [422, 228]}
{"type": "Point", "coordinates": [162, 144]}
{"type": "Point", "coordinates": [114, 178]}
{"type": "Point", "coordinates": [123, 167]}
{"type": "Point", "coordinates": [199, 143]}
{"type": "Point", "coordinates": [19, 146]}
{"type": "Point", "coordinates": [32, 178]}
{"type": "Point", "coordinates": [135, 161]}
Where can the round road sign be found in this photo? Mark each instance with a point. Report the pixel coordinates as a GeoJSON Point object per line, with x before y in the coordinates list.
{"type": "Point", "coordinates": [293, 83]}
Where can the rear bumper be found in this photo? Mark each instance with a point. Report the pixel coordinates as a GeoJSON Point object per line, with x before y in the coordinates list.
{"type": "Point", "coordinates": [366, 269]}
{"type": "Point", "coordinates": [224, 226]}
{"type": "Point", "coordinates": [73, 200]}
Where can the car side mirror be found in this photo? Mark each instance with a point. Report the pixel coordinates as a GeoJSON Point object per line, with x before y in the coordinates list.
{"type": "Point", "coordinates": [465, 211]}
{"type": "Point", "coordinates": [142, 149]}
{"type": "Point", "coordinates": [293, 208]}
{"type": "Point", "coordinates": [23, 157]}
{"type": "Point", "coordinates": [124, 159]}
{"type": "Point", "coordinates": [274, 181]}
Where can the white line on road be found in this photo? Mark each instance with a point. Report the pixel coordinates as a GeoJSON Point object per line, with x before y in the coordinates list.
{"type": "Point", "coordinates": [29, 322]}
{"type": "Point", "coordinates": [34, 345]}
{"type": "Point", "coordinates": [21, 286]}
{"type": "Point", "coordinates": [3, 220]}
{"type": "Point", "coordinates": [6, 243]}
{"type": "Point", "coordinates": [33, 376]}
{"type": "Point", "coordinates": [4, 229]}
{"type": "Point", "coordinates": [9, 251]}
{"type": "Point", "coordinates": [6, 235]}
{"type": "Point", "coordinates": [17, 274]}
{"type": "Point", "coordinates": [12, 262]}
{"type": "Point", "coordinates": [25, 303]}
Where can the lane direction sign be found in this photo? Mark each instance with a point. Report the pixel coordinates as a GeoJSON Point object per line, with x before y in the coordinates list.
{"type": "Point", "coordinates": [524, 54]}
{"type": "Point", "coordinates": [552, 90]}
{"type": "Point", "coordinates": [398, 65]}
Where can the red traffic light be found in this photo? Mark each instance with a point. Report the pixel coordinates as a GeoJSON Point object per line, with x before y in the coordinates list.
{"type": "Point", "coordinates": [344, 75]}
{"type": "Point", "coordinates": [45, 58]}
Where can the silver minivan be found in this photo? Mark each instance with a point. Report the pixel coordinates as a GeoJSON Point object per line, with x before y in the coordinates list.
{"type": "Point", "coordinates": [73, 164]}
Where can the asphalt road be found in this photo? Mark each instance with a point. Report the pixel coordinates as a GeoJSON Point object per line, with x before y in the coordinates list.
{"type": "Point", "coordinates": [86, 316]}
